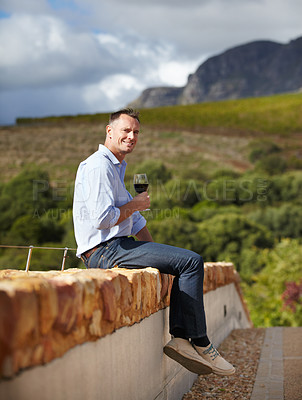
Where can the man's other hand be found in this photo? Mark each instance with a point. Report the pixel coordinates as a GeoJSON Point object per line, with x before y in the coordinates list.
{"type": "Point", "coordinates": [141, 202]}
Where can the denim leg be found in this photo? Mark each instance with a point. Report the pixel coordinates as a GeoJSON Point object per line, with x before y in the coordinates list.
{"type": "Point", "coordinates": [176, 313]}
{"type": "Point", "coordinates": [186, 303]}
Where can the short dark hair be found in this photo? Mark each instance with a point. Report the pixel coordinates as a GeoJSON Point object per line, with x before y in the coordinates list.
{"type": "Point", "coordinates": [128, 111]}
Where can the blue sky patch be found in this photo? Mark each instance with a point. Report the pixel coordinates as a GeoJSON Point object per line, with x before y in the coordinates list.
{"type": "Point", "coordinates": [59, 4]}
{"type": "Point", "coordinates": [4, 14]}
{"type": "Point", "coordinates": [65, 5]}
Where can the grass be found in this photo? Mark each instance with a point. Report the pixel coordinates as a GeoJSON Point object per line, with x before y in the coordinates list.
{"type": "Point", "coordinates": [202, 137]}
{"type": "Point", "coordinates": [280, 114]}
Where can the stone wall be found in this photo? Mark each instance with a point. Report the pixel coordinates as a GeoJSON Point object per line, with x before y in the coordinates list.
{"type": "Point", "coordinates": [44, 314]}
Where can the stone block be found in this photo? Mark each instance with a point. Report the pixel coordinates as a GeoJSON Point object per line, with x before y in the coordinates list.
{"type": "Point", "coordinates": [70, 310]}
{"type": "Point", "coordinates": [18, 313]}
{"type": "Point", "coordinates": [44, 314]}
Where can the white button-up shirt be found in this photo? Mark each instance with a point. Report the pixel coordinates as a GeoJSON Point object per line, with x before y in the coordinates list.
{"type": "Point", "coordinates": [99, 191]}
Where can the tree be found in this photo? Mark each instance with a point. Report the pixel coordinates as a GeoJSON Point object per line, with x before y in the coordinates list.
{"type": "Point", "coordinates": [265, 297]}
{"type": "Point", "coordinates": [261, 149]}
{"type": "Point", "coordinates": [29, 193]}
{"type": "Point", "coordinates": [155, 170]}
{"type": "Point", "coordinates": [272, 164]}
{"type": "Point", "coordinates": [176, 232]}
{"type": "Point", "coordinates": [224, 237]}
{"type": "Point", "coordinates": [176, 193]}
{"type": "Point", "coordinates": [284, 221]}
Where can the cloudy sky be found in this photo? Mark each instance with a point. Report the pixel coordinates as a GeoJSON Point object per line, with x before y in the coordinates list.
{"type": "Point", "coordinates": [85, 56]}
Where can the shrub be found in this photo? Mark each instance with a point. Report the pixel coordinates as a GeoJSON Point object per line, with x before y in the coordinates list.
{"type": "Point", "coordinates": [224, 237]}
{"type": "Point", "coordinates": [176, 193]}
{"type": "Point", "coordinates": [284, 221]}
{"type": "Point", "coordinates": [272, 165]}
{"type": "Point", "coordinates": [176, 232]}
{"type": "Point", "coordinates": [207, 209]}
{"type": "Point", "coordinates": [292, 296]}
{"type": "Point", "coordinates": [286, 187]}
{"type": "Point", "coordinates": [265, 297]}
{"type": "Point", "coordinates": [155, 170]}
{"type": "Point", "coordinates": [28, 230]}
{"type": "Point", "coordinates": [28, 193]}
{"type": "Point", "coordinates": [261, 149]}
{"type": "Point", "coordinates": [246, 189]}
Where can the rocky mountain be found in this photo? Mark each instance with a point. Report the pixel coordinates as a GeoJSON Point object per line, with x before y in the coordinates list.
{"type": "Point", "coordinates": [255, 69]}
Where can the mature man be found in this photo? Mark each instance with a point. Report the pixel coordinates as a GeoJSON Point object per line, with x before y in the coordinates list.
{"type": "Point", "coordinates": [105, 217]}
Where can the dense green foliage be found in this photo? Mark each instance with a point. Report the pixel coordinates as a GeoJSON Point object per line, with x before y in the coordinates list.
{"type": "Point", "coordinates": [266, 297]}
{"type": "Point", "coordinates": [32, 212]}
{"type": "Point", "coordinates": [252, 217]}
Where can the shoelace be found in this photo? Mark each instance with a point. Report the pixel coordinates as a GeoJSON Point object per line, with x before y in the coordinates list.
{"type": "Point", "coordinates": [212, 352]}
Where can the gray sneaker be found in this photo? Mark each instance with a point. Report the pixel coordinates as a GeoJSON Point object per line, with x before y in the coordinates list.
{"type": "Point", "coordinates": [219, 365]}
{"type": "Point", "coordinates": [183, 352]}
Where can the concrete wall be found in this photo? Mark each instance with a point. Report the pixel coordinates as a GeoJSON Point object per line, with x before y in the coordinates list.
{"type": "Point", "coordinates": [128, 363]}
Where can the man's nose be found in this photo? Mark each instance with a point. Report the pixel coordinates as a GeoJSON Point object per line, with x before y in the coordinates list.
{"type": "Point", "coordinates": [131, 135]}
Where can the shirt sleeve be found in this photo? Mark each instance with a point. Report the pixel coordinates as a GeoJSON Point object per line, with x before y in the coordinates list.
{"type": "Point", "coordinates": [100, 197]}
{"type": "Point", "coordinates": [138, 222]}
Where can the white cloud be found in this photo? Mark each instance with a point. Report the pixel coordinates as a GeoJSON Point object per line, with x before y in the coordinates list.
{"type": "Point", "coordinates": [198, 27]}
{"type": "Point", "coordinates": [45, 52]}
{"type": "Point", "coordinates": [175, 73]}
{"type": "Point", "coordinates": [99, 55]}
{"type": "Point", "coordinates": [115, 90]}
{"type": "Point", "coordinates": [26, 39]}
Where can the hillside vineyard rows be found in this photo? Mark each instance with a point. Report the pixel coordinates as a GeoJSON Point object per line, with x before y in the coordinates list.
{"type": "Point", "coordinates": [225, 181]}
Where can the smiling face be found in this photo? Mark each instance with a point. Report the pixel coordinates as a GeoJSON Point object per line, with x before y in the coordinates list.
{"type": "Point", "coordinates": [122, 135]}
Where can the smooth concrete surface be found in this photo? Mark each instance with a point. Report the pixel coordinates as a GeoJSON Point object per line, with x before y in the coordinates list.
{"type": "Point", "coordinates": [279, 374]}
{"type": "Point", "coordinates": [224, 312]}
{"type": "Point", "coordinates": [128, 364]}
{"type": "Point", "coordinates": [292, 359]}
{"type": "Point", "coordinates": [269, 378]}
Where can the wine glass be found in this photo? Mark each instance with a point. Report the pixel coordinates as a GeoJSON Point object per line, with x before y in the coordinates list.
{"type": "Point", "coordinates": [140, 183]}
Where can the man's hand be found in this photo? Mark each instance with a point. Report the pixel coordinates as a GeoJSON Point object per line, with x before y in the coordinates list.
{"type": "Point", "coordinates": [141, 201]}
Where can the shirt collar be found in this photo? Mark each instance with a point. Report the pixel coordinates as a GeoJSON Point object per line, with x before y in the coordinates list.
{"type": "Point", "coordinates": [104, 150]}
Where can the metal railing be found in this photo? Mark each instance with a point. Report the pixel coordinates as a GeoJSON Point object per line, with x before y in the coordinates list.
{"type": "Point", "coordinates": [30, 249]}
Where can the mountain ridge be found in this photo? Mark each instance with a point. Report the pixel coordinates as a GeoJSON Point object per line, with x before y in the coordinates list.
{"type": "Point", "coordinates": [254, 69]}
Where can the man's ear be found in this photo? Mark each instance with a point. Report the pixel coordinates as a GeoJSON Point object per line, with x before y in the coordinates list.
{"type": "Point", "coordinates": [108, 131]}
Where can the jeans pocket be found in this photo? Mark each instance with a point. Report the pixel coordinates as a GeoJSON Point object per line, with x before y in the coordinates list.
{"type": "Point", "coordinates": [103, 257]}
{"type": "Point", "coordinates": [94, 260]}
{"type": "Point", "coordinates": [103, 262]}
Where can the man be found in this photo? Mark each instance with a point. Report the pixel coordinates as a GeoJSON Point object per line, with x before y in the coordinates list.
{"type": "Point", "coordinates": [105, 215]}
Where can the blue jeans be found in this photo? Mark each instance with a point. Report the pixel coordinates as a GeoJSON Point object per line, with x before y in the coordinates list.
{"type": "Point", "coordinates": [186, 301]}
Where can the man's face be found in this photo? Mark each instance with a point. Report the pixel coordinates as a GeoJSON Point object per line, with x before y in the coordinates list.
{"type": "Point", "coordinates": [122, 135]}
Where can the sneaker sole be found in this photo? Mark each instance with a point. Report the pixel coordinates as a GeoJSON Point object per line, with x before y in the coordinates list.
{"type": "Point", "coordinates": [192, 365]}
{"type": "Point", "coordinates": [224, 373]}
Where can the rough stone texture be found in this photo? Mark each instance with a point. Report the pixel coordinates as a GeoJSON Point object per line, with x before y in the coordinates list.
{"type": "Point", "coordinates": [165, 96]}
{"type": "Point", "coordinates": [254, 69]}
{"type": "Point", "coordinates": [44, 314]}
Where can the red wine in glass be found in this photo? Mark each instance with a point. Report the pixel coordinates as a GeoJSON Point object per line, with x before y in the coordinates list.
{"type": "Point", "coordinates": [140, 183]}
{"type": "Point", "coordinates": [140, 187]}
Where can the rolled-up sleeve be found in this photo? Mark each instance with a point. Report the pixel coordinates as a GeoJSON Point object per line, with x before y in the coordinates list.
{"type": "Point", "coordinates": [138, 223]}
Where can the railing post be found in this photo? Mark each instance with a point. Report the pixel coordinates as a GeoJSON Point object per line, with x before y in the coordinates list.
{"type": "Point", "coordinates": [30, 249]}
{"type": "Point", "coordinates": [64, 258]}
